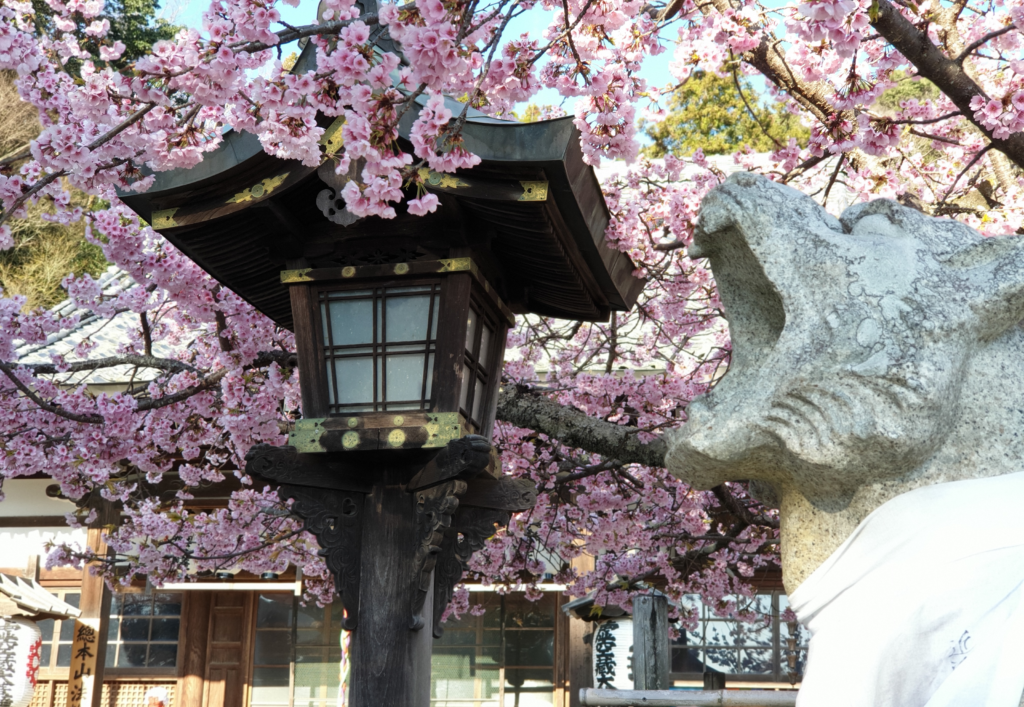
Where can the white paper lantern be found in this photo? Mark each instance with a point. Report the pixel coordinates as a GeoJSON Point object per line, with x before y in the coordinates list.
{"type": "Point", "coordinates": [613, 654]}
{"type": "Point", "coordinates": [20, 644]}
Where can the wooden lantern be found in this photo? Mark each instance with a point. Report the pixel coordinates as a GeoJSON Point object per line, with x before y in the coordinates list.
{"type": "Point", "coordinates": [397, 356]}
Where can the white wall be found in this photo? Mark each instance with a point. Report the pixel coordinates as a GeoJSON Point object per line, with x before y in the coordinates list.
{"type": "Point", "coordinates": [27, 497]}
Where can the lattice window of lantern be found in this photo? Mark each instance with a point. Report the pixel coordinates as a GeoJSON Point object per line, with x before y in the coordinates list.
{"type": "Point", "coordinates": [379, 346]}
{"type": "Point", "coordinates": [478, 365]}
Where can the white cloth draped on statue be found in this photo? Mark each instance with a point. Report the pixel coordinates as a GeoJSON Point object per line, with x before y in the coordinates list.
{"type": "Point", "coordinates": [922, 605]}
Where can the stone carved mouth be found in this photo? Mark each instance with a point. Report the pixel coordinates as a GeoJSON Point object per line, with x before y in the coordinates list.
{"type": "Point", "coordinates": [752, 303]}
{"type": "Point", "coordinates": [809, 399]}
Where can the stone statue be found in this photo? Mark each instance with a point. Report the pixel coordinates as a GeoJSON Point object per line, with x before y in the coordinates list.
{"type": "Point", "coordinates": [876, 394]}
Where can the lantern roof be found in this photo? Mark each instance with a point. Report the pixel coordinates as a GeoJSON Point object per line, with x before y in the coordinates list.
{"type": "Point", "coordinates": [26, 597]}
{"type": "Point", "coordinates": [531, 215]}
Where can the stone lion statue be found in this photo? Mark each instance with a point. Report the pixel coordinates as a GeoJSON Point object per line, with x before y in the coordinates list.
{"type": "Point", "coordinates": [876, 392]}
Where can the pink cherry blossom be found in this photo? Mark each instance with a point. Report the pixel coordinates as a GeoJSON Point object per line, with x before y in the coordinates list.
{"type": "Point", "coordinates": [827, 62]}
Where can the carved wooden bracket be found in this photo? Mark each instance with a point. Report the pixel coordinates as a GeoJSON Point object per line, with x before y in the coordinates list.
{"type": "Point", "coordinates": [286, 465]}
{"type": "Point", "coordinates": [336, 519]}
{"type": "Point", "coordinates": [462, 458]}
{"type": "Point", "coordinates": [434, 509]}
{"type": "Point", "coordinates": [455, 506]}
{"type": "Point", "coordinates": [469, 531]}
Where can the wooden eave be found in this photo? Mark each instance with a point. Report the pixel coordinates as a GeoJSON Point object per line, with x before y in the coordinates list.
{"type": "Point", "coordinates": [245, 216]}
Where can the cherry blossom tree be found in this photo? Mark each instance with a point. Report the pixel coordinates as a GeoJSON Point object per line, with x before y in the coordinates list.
{"type": "Point", "coordinates": [585, 405]}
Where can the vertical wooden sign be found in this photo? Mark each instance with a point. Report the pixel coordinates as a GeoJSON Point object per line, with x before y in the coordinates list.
{"type": "Point", "coordinates": [89, 651]}
{"type": "Point", "coordinates": [82, 681]}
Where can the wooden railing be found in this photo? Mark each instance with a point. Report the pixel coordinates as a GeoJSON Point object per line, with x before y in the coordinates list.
{"type": "Point", "coordinates": [686, 698]}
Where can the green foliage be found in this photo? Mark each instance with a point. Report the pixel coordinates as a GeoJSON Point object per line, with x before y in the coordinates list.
{"type": "Point", "coordinates": [133, 22]}
{"type": "Point", "coordinates": [708, 113]}
{"type": "Point", "coordinates": [907, 87]}
{"type": "Point", "coordinates": [43, 254]}
{"type": "Point", "coordinates": [533, 113]}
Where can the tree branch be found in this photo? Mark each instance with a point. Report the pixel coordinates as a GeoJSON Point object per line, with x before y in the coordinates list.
{"type": "Point", "coordinates": [743, 97]}
{"type": "Point", "coordinates": [947, 74]}
{"type": "Point", "coordinates": [974, 45]}
{"type": "Point", "coordinates": [523, 407]}
{"type": "Point", "coordinates": [163, 364]}
{"type": "Point", "coordinates": [147, 334]}
{"type": "Point", "coordinates": [832, 181]}
{"type": "Point", "coordinates": [768, 57]}
{"type": "Point", "coordinates": [293, 33]}
{"type": "Point", "coordinates": [45, 405]}
{"type": "Point", "coordinates": [264, 358]}
{"type": "Point", "coordinates": [926, 121]}
{"type": "Point", "coordinates": [18, 154]}
{"type": "Point", "coordinates": [980, 153]}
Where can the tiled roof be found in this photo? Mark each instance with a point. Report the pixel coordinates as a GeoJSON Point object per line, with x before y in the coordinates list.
{"type": "Point", "coordinates": [108, 335]}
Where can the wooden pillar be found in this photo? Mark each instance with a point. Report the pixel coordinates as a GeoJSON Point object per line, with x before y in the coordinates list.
{"type": "Point", "coordinates": [580, 642]}
{"type": "Point", "coordinates": [89, 650]}
{"type": "Point", "coordinates": [561, 653]}
{"type": "Point", "coordinates": [193, 653]}
{"type": "Point", "coordinates": [390, 660]}
{"type": "Point", "coordinates": [581, 658]}
{"type": "Point", "coordinates": [650, 642]}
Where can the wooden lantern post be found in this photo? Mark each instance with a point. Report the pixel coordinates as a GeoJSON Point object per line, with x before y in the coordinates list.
{"type": "Point", "coordinates": [391, 467]}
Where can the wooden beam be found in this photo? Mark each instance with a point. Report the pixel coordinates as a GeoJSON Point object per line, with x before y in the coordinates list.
{"type": "Point", "coordinates": [33, 522]}
{"type": "Point", "coordinates": [195, 213]}
{"type": "Point", "coordinates": [484, 188]}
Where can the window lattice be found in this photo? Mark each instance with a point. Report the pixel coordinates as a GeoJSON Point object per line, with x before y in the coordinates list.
{"type": "Point", "coordinates": [379, 347]}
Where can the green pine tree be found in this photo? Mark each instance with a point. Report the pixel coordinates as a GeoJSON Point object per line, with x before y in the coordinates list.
{"type": "Point", "coordinates": [133, 22]}
{"type": "Point", "coordinates": [45, 252]}
{"type": "Point", "coordinates": [708, 113]}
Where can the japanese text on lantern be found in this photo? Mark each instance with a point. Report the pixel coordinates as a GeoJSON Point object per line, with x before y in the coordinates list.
{"type": "Point", "coordinates": [83, 665]}
{"type": "Point", "coordinates": [604, 655]}
{"type": "Point", "coordinates": [8, 662]}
